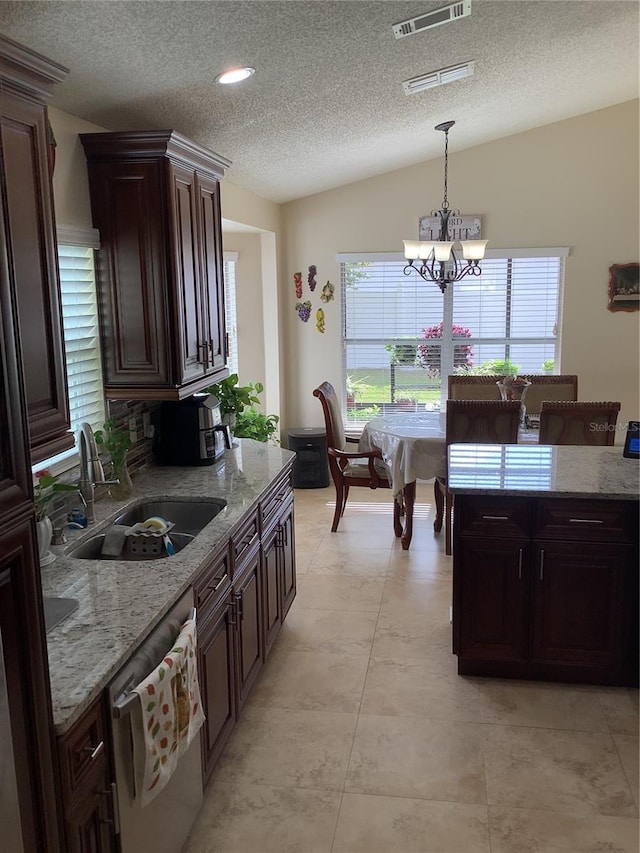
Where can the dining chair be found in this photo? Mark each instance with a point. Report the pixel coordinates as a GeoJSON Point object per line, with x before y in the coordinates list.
{"type": "Point", "coordinates": [466, 387]}
{"type": "Point", "coordinates": [350, 469]}
{"type": "Point", "coordinates": [578, 423]}
{"type": "Point", "coordinates": [562, 387]}
{"type": "Point", "coordinates": [473, 422]}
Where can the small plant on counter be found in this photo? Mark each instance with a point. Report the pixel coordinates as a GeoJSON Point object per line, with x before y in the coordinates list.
{"type": "Point", "coordinates": [251, 423]}
{"type": "Point", "coordinates": [117, 442]}
{"type": "Point", "coordinates": [232, 397]}
{"type": "Point", "coordinates": [45, 489]}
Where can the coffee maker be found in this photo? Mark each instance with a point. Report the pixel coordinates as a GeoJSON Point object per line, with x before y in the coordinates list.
{"type": "Point", "coordinates": [190, 432]}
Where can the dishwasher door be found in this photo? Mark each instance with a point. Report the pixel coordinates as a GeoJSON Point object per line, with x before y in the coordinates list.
{"type": "Point", "coordinates": [164, 824]}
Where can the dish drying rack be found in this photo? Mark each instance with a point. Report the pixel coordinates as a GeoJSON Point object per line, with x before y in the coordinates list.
{"type": "Point", "coordinates": [141, 541]}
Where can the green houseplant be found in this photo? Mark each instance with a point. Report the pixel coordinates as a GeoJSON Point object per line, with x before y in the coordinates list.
{"type": "Point", "coordinates": [117, 442]}
{"type": "Point", "coordinates": [251, 423]}
{"type": "Point", "coordinates": [233, 397]}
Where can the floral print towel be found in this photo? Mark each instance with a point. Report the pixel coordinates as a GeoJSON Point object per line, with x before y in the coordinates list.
{"type": "Point", "coordinates": [171, 715]}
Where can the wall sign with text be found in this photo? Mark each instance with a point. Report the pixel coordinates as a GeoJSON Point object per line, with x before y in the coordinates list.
{"type": "Point", "coordinates": [461, 227]}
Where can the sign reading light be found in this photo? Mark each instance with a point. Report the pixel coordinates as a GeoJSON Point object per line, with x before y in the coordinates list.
{"type": "Point", "coordinates": [235, 75]}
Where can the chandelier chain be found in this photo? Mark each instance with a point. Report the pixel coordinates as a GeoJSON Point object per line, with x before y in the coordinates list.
{"type": "Point", "coordinates": [445, 203]}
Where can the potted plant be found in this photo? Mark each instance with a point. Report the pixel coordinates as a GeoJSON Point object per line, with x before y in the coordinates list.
{"type": "Point", "coordinates": [45, 489]}
{"type": "Point", "coordinates": [233, 397]}
{"type": "Point", "coordinates": [250, 423]}
{"type": "Point", "coordinates": [117, 442]}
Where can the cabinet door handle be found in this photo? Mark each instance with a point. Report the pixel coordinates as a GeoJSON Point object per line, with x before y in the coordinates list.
{"type": "Point", "coordinates": [94, 750]}
{"type": "Point", "coordinates": [112, 792]}
{"type": "Point", "coordinates": [239, 596]}
{"type": "Point", "coordinates": [520, 564]}
{"type": "Point", "coordinates": [541, 564]}
{"type": "Point", "coordinates": [216, 587]}
{"type": "Point", "coordinates": [203, 354]}
{"type": "Point", "coordinates": [586, 521]}
{"type": "Point", "coordinates": [495, 517]}
{"type": "Point", "coordinates": [232, 613]}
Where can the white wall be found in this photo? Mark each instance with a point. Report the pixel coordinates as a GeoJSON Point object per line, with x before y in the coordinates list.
{"type": "Point", "coordinates": [574, 183]}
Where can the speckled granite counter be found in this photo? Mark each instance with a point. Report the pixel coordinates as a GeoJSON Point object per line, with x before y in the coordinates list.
{"type": "Point", "coordinates": [120, 601]}
{"type": "Point", "coordinates": [543, 470]}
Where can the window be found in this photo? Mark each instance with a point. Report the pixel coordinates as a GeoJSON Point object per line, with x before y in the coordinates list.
{"type": "Point", "coordinates": [402, 338]}
{"type": "Point", "coordinates": [229, 271]}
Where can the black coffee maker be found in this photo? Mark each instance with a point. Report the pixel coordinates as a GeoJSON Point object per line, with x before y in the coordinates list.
{"type": "Point", "coordinates": [190, 432]}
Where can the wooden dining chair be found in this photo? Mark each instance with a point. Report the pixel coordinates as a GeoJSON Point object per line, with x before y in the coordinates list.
{"type": "Point", "coordinates": [350, 469]}
{"type": "Point", "coordinates": [473, 422]}
{"type": "Point", "coordinates": [467, 387]}
{"type": "Point", "coordinates": [578, 423]}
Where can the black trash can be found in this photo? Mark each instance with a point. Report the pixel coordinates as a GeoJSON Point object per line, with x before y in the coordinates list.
{"type": "Point", "coordinates": [311, 468]}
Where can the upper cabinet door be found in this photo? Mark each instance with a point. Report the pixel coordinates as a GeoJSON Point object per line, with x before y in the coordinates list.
{"type": "Point", "coordinates": [30, 234]}
{"type": "Point", "coordinates": [167, 241]}
{"type": "Point", "coordinates": [210, 234]}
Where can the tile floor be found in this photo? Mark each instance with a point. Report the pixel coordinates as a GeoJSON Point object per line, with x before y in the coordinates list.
{"type": "Point", "coordinates": [359, 736]}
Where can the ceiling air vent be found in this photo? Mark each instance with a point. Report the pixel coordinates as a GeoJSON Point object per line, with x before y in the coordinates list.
{"type": "Point", "coordinates": [437, 78]}
{"type": "Point", "coordinates": [432, 19]}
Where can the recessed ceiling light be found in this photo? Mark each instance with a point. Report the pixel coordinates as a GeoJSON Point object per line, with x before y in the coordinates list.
{"type": "Point", "coordinates": [235, 75]}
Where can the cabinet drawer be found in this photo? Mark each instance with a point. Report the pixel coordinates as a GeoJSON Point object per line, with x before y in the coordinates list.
{"type": "Point", "coordinates": [213, 582]}
{"type": "Point", "coordinates": [586, 520]}
{"type": "Point", "coordinates": [505, 518]}
{"type": "Point", "coordinates": [83, 751]}
{"type": "Point", "coordinates": [278, 494]}
{"type": "Point", "coordinates": [244, 539]}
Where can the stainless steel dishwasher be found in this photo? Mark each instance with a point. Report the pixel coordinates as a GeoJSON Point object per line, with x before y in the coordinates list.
{"type": "Point", "coordinates": [163, 825]}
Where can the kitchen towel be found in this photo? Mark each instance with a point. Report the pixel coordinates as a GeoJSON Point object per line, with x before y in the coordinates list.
{"type": "Point", "coordinates": [171, 715]}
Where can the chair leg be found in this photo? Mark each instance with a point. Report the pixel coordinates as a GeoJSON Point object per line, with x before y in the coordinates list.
{"type": "Point", "coordinates": [340, 501]}
{"type": "Point", "coordinates": [397, 516]}
{"type": "Point", "coordinates": [438, 495]}
{"type": "Point", "coordinates": [449, 523]}
{"type": "Point", "coordinates": [344, 500]}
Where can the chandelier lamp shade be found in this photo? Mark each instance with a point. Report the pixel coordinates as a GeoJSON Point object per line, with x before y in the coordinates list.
{"type": "Point", "coordinates": [439, 260]}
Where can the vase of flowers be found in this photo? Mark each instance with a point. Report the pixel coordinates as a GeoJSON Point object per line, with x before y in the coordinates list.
{"type": "Point", "coordinates": [45, 489]}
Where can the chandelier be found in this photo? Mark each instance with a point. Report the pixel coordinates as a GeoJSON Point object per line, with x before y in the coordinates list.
{"type": "Point", "coordinates": [436, 260]}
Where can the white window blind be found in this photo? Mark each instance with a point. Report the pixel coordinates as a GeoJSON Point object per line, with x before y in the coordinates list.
{"type": "Point", "coordinates": [229, 270]}
{"type": "Point", "coordinates": [81, 335]}
{"type": "Point", "coordinates": [402, 338]}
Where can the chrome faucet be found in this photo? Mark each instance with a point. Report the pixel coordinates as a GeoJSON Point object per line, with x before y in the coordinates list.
{"type": "Point", "coordinates": [91, 470]}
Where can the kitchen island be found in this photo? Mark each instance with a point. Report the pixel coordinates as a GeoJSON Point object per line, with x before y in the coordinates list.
{"type": "Point", "coordinates": [545, 562]}
{"type": "Point", "coordinates": [121, 601]}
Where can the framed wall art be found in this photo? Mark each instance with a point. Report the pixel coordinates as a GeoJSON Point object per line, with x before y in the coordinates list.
{"type": "Point", "coordinates": [624, 287]}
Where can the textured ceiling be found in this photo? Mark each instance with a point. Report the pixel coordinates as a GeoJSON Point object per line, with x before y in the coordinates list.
{"type": "Point", "coordinates": [326, 105]}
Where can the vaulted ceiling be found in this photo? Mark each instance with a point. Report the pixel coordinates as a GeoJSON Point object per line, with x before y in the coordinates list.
{"type": "Point", "coordinates": [326, 105]}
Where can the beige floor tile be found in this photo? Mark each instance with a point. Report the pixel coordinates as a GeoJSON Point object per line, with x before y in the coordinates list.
{"type": "Point", "coordinates": [265, 819]}
{"type": "Point", "coordinates": [414, 637]}
{"type": "Point", "coordinates": [369, 562]}
{"type": "Point", "coordinates": [348, 632]}
{"type": "Point", "coordinates": [551, 706]}
{"type": "Point", "coordinates": [620, 706]}
{"type": "Point", "coordinates": [412, 689]}
{"type": "Point", "coordinates": [296, 749]}
{"type": "Point", "coordinates": [314, 681]}
{"type": "Point", "coordinates": [335, 592]}
{"type": "Point", "coordinates": [527, 830]}
{"type": "Point", "coordinates": [416, 564]}
{"type": "Point", "coordinates": [577, 772]}
{"type": "Point", "coordinates": [409, 757]}
{"type": "Point", "coordinates": [355, 536]}
{"type": "Point", "coordinates": [428, 598]}
{"type": "Point", "coordinates": [628, 751]}
{"type": "Point", "coordinates": [370, 824]}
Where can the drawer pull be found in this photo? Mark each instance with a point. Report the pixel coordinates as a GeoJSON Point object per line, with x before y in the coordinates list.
{"type": "Point", "coordinates": [95, 751]}
{"type": "Point", "coordinates": [586, 521]}
{"type": "Point", "coordinates": [216, 587]}
{"type": "Point", "coordinates": [520, 564]}
{"type": "Point", "coordinates": [495, 517]}
{"type": "Point", "coordinates": [541, 564]}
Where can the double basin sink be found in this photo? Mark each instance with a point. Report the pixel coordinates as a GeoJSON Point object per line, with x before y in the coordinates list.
{"type": "Point", "coordinates": [188, 518]}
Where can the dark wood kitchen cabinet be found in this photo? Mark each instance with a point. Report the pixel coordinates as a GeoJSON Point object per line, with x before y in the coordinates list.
{"type": "Point", "coordinates": [87, 793]}
{"type": "Point", "coordinates": [26, 84]}
{"type": "Point", "coordinates": [278, 563]}
{"type": "Point", "coordinates": [155, 198]}
{"type": "Point", "coordinates": [546, 589]}
{"type": "Point", "coordinates": [247, 593]}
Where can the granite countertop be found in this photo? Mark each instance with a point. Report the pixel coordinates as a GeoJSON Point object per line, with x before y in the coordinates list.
{"type": "Point", "coordinates": [543, 470]}
{"type": "Point", "coordinates": [121, 601]}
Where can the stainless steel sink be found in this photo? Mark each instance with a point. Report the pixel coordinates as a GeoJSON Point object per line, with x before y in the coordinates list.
{"type": "Point", "coordinates": [187, 516]}
{"type": "Point", "coordinates": [92, 549]}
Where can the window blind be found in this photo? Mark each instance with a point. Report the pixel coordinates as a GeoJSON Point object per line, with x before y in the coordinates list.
{"type": "Point", "coordinates": [81, 335]}
{"type": "Point", "coordinates": [229, 273]}
{"type": "Point", "coordinates": [402, 337]}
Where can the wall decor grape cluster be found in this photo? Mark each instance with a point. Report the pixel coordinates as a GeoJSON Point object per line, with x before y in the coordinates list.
{"type": "Point", "coordinates": [304, 309]}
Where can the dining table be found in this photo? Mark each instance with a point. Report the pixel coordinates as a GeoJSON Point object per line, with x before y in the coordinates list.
{"type": "Point", "coordinates": [414, 447]}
